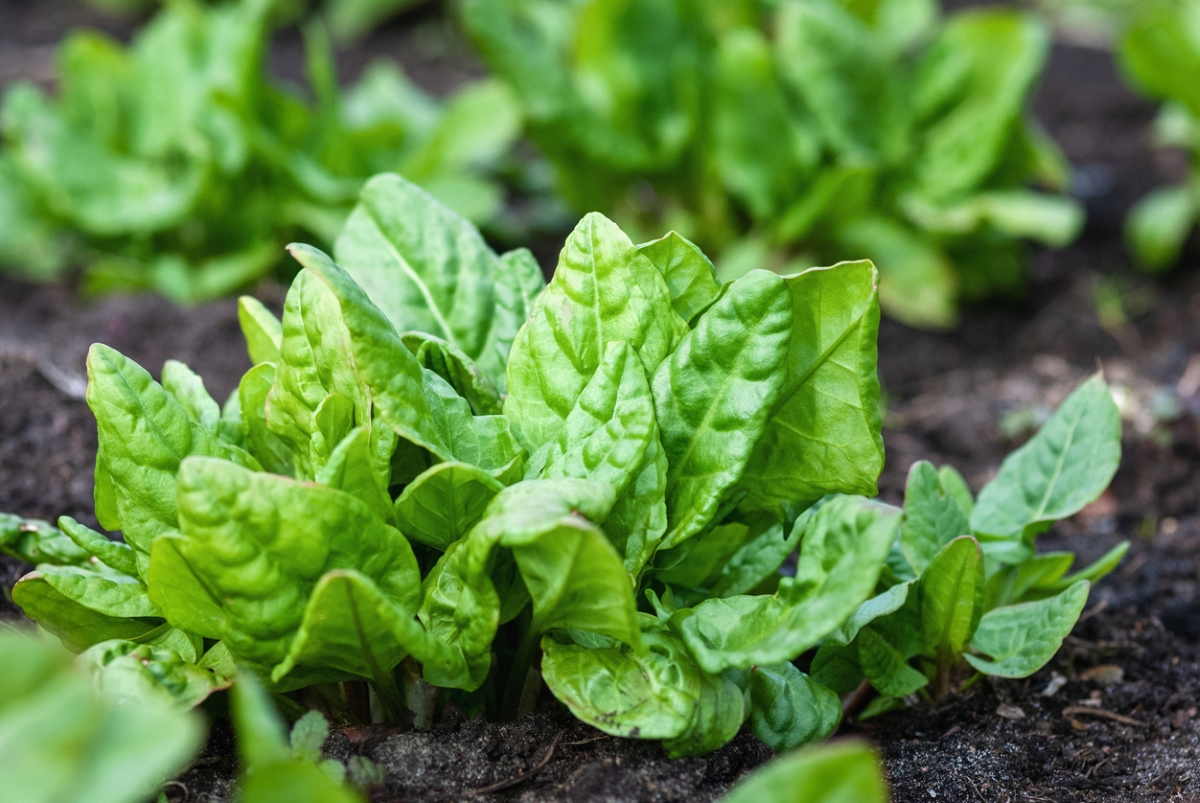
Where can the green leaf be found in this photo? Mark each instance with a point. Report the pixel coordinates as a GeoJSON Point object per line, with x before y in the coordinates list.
{"type": "Point", "coordinates": [262, 330]}
{"type": "Point", "coordinates": [116, 554]}
{"type": "Point", "coordinates": [954, 485]}
{"type": "Point", "coordinates": [886, 666]}
{"type": "Point", "coordinates": [429, 270]}
{"type": "Point", "coordinates": [261, 543]}
{"type": "Point", "coordinates": [1158, 226]}
{"type": "Point", "coordinates": [713, 396]}
{"type": "Point", "coordinates": [100, 589]}
{"type": "Point", "coordinates": [703, 557]}
{"type": "Point", "coordinates": [932, 517]}
{"type": "Point", "coordinates": [788, 709]}
{"type": "Point", "coordinates": [308, 737]}
{"type": "Point", "coordinates": [35, 541]}
{"type": "Point", "coordinates": [1105, 564]}
{"type": "Point", "coordinates": [177, 590]}
{"type": "Point", "coordinates": [951, 602]}
{"type": "Point", "coordinates": [603, 290]}
{"type": "Point", "coordinates": [352, 469]}
{"type": "Point", "coordinates": [649, 694]}
{"type": "Point", "coordinates": [64, 743]}
{"type": "Point", "coordinates": [690, 276]}
{"type": "Point", "coordinates": [127, 672]}
{"type": "Point", "coordinates": [1158, 51]}
{"type": "Point", "coordinates": [1066, 465]}
{"type": "Point", "coordinates": [272, 451]}
{"type": "Point", "coordinates": [823, 435]}
{"type": "Point", "coordinates": [836, 663]}
{"type": "Point", "coordinates": [1020, 639]}
{"type": "Point", "coordinates": [293, 782]}
{"type": "Point", "coordinates": [188, 389]}
{"type": "Point", "coordinates": [316, 364]}
{"type": "Point", "coordinates": [144, 434]}
{"type": "Point", "coordinates": [840, 557]}
{"type": "Point", "coordinates": [451, 364]}
{"type": "Point", "coordinates": [718, 718]}
{"type": "Point", "coordinates": [417, 404]}
{"type": "Point", "coordinates": [76, 625]}
{"type": "Point", "coordinates": [257, 725]}
{"type": "Point", "coordinates": [444, 503]}
{"type": "Point", "coordinates": [845, 771]}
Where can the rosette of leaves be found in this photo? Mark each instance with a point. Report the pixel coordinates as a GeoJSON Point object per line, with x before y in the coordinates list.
{"type": "Point", "coordinates": [440, 468]}
{"type": "Point", "coordinates": [178, 164]}
{"type": "Point", "coordinates": [1160, 55]}
{"type": "Point", "coordinates": [799, 132]}
{"type": "Point", "coordinates": [965, 592]}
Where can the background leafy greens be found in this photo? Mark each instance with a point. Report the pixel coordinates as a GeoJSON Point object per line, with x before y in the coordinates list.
{"type": "Point", "coordinates": [178, 164]}
{"type": "Point", "coordinates": [798, 132]}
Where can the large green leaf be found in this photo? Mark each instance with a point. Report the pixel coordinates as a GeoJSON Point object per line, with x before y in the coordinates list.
{"type": "Point", "coordinates": [144, 434]}
{"type": "Point", "coordinates": [1020, 639]}
{"type": "Point", "coordinates": [840, 558]}
{"type": "Point", "coordinates": [417, 404]}
{"type": "Point", "coordinates": [261, 542]}
{"type": "Point", "coordinates": [788, 709]}
{"type": "Point", "coordinates": [444, 502]}
{"type": "Point", "coordinates": [651, 694]}
{"type": "Point", "coordinates": [603, 290]}
{"type": "Point", "coordinates": [1066, 465]}
{"type": "Point", "coordinates": [101, 589]}
{"type": "Point", "coordinates": [690, 276]}
{"type": "Point", "coordinates": [429, 270]}
{"type": "Point", "coordinates": [714, 394]}
{"type": "Point", "coordinates": [823, 434]}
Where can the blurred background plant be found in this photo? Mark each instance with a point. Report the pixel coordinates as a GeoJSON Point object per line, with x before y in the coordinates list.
{"type": "Point", "coordinates": [178, 164]}
{"type": "Point", "coordinates": [798, 132]}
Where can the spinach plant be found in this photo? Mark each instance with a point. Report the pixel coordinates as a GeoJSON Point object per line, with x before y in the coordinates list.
{"type": "Point", "coordinates": [177, 164]}
{"type": "Point", "coordinates": [964, 592]}
{"type": "Point", "coordinates": [1160, 54]}
{"type": "Point", "coordinates": [798, 132]}
{"type": "Point", "coordinates": [441, 470]}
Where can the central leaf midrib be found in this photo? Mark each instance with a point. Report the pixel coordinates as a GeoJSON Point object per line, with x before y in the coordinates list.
{"type": "Point", "coordinates": [416, 279]}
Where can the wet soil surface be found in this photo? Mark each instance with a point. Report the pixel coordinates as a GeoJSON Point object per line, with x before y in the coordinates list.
{"type": "Point", "coordinates": [1114, 717]}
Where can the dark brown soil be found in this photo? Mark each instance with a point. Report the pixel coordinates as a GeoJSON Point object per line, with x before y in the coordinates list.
{"type": "Point", "coordinates": [965, 398]}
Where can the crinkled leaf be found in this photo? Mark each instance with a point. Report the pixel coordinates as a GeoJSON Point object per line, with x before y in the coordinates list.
{"type": "Point", "coordinates": [690, 276]}
{"type": "Point", "coordinates": [261, 542]}
{"type": "Point", "coordinates": [428, 270]}
{"type": "Point", "coordinates": [840, 556]}
{"type": "Point", "coordinates": [126, 672]}
{"type": "Point", "coordinates": [823, 434]}
{"type": "Point", "coordinates": [101, 589]}
{"type": "Point", "coordinates": [417, 404]}
{"type": "Point", "coordinates": [602, 291]}
{"type": "Point", "coordinates": [788, 709]}
{"type": "Point", "coordinates": [714, 393]}
{"type": "Point", "coordinates": [444, 503]}
{"type": "Point", "coordinates": [187, 601]}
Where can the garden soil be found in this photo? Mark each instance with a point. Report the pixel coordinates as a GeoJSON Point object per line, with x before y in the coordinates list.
{"type": "Point", "coordinates": [1114, 717]}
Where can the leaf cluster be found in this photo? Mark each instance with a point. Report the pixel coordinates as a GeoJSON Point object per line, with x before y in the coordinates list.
{"type": "Point", "coordinates": [454, 482]}
{"type": "Point", "coordinates": [964, 591]}
{"type": "Point", "coordinates": [798, 132]}
{"type": "Point", "coordinates": [178, 164]}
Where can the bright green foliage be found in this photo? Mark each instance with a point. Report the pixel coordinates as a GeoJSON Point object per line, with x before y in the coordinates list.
{"type": "Point", "coordinates": [793, 133]}
{"type": "Point", "coordinates": [436, 462]}
{"type": "Point", "coordinates": [178, 164]}
{"type": "Point", "coordinates": [62, 742]}
{"type": "Point", "coordinates": [963, 581]}
{"type": "Point", "coordinates": [839, 773]}
{"type": "Point", "coordinates": [1160, 55]}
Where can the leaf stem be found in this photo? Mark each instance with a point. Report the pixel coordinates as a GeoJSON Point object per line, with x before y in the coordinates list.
{"type": "Point", "coordinates": [522, 662]}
